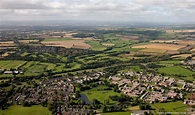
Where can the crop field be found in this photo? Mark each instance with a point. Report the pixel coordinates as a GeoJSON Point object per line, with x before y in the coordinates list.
{"type": "Point", "coordinates": [153, 50]}
{"type": "Point", "coordinates": [68, 44]}
{"type": "Point", "coordinates": [7, 44]}
{"type": "Point", "coordinates": [160, 46]}
{"type": "Point", "coordinates": [7, 64]}
{"type": "Point", "coordinates": [20, 110]}
{"type": "Point", "coordinates": [182, 55]}
{"type": "Point", "coordinates": [100, 94]}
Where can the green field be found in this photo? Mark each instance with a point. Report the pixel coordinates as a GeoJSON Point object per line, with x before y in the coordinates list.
{"type": "Point", "coordinates": [11, 64]}
{"type": "Point", "coordinates": [117, 113]}
{"type": "Point", "coordinates": [177, 106]}
{"type": "Point", "coordinates": [20, 110]}
{"type": "Point", "coordinates": [177, 70]}
{"type": "Point", "coordinates": [100, 94]}
{"type": "Point", "coordinates": [95, 45]}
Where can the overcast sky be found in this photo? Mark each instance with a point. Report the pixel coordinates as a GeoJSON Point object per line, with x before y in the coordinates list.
{"type": "Point", "coordinates": [117, 10]}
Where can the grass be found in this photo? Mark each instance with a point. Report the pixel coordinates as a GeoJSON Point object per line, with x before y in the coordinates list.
{"type": "Point", "coordinates": [20, 110]}
{"type": "Point", "coordinates": [177, 106]}
{"type": "Point", "coordinates": [100, 94]}
{"type": "Point", "coordinates": [95, 45]}
{"type": "Point", "coordinates": [117, 113]}
{"type": "Point", "coordinates": [11, 64]}
{"type": "Point", "coordinates": [179, 70]}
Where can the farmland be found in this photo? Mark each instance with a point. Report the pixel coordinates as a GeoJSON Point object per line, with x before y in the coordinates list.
{"type": "Point", "coordinates": [149, 59]}
{"type": "Point", "coordinates": [160, 46]}
{"type": "Point", "coordinates": [68, 44]}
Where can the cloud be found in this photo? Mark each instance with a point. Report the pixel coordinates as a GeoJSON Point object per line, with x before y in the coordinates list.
{"type": "Point", "coordinates": [100, 9]}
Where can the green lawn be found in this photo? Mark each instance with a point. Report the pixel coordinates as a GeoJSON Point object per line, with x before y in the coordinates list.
{"type": "Point", "coordinates": [177, 106]}
{"type": "Point", "coordinates": [100, 94]}
{"type": "Point", "coordinates": [117, 113]}
{"type": "Point", "coordinates": [20, 110]}
{"type": "Point", "coordinates": [177, 70]}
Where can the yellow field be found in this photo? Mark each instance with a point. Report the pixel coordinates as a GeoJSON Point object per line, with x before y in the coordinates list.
{"type": "Point", "coordinates": [68, 44]}
{"type": "Point", "coordinates": [182, 55]}
{"type": "Point", "coordinates": [160, 46]}
{"type": "Point", "coordinates": [7, 44]}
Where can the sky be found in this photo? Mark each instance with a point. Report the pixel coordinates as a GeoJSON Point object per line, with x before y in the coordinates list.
{"type": "Point", "coordinates": [99, 10]}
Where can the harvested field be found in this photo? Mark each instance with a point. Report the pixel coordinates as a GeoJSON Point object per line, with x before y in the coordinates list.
{"type": "Point", "coordinates": [160, 46]}
{"type": "Point", "coordinates": [182, 55]}
{"type": "Point", "coordinates": [69, 44]}
{"type": "Point", "coordinates": [172, 52]}
{"type": "Point", "coordinates": [7, 44]}
{"type": "Point", "coordinates": [126, 38]}
{"type": "Point", "coordinates": [193, 50]}
{"type": "Point", "coordinates": [187, 42]}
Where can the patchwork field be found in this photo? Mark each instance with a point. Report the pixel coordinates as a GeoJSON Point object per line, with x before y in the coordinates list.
{"type": "Point", "coordinates": [20, 110]}
{"type": "Point", "coordinates": [68, 44]}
